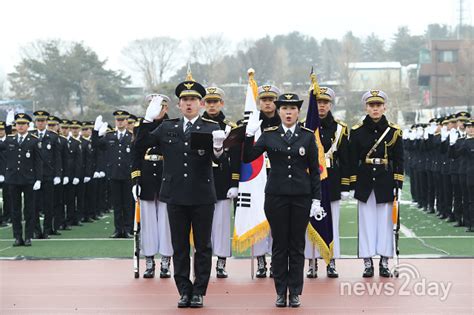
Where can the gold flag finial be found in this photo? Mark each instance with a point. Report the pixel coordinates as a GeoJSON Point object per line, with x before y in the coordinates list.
{"type": "Point", "coordinates": [189, 75]}
{"type": "Point", "coordinates": [314, 83]}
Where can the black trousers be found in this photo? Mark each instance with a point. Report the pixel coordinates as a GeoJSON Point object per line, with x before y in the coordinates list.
{"type": "Point", "coordinates": [59, 217]}
{"type": "Point", "coordinates": [413, 184]}
{"type": "Point", "coordinates": [448, 195]}
{"type": "Point", "coordinates": [181, 219]}
{"type": "Point", "coordinates": [101, 196]}
{"type": "Point", "coordinates": [457, 198]}
{"type": "Point", "coordinates": [438, 181]}
{"type": "Point", "coordinates": [90, 198]}
{"type": "Point", "coordinates": [121, 197]}
{"type": "Point", "coordinates": [431, 190]}
{"type": "Point", "coordinates": [81, 191]}
{"type": "Point", "coordinates": [7, 205]}
{"type": "Point", "coordinates": [288, 217]}
{"type": "Point", "coordinates": [28, 210]}
{"type": "Point", "coordinates": [422, 189]}
{"type": "Point", "coordinates": [470, 221]}
{"type": "Point", "coordinates": [465, 198]}
{"type": "Point", "coordinates": [70, 200]}
{"type": "Point", "coordinates": [44, 201]}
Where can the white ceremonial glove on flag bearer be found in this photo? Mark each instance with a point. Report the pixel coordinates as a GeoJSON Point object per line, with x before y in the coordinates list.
{"type": "Point", "coordinates": [135, 189]}
{"type": "Point", "coordinates": [233, 192]}
{"type": "Point", "coordinates": [316, 210]}
{"type": "Point", "coordinates": [345, 195]}
{"type": "Point", "coordinates": [154, 108]}
{"type": "Point", "coordinates": [253, 124]}
{"type": "Point", "coordinates": [37, 185]}
{"type": "Point", "coordinates": [65, 180]}
{"type": "Point", "coordinates": [98, 123]}
{"type": "Point", "coordinates": [10, 117]}
{"type": "Point", "coordinates": [453, 136]}
{"type": "Point", "coordinates": [218, 137]}
{"type": "Point", "coordinates": [103, 129]}
{"type": "Point", "coordinates": [75, 181]}
{"type": "Point", "coordinates": [56, 180]}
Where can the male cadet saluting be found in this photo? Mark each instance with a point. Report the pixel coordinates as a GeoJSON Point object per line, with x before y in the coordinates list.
{"type": "Point", "coordinates": [333, 134]}
{"type": "Point", "coordinates": [226, 179]}
{"type": "Point", "coordinates": [188, 185]}
{"type": "Point", "coordinates": [118, 146]}
{"type": "Point", "coordinates": [5, 211]}
{"type": "Point", "coordinates": [376, 157]}
{"type": "Point", "coordinates": [52, 168]}
{"type": "Point", "coordinates": [24, 172]}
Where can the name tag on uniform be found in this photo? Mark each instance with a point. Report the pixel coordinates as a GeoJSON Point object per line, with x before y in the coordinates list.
{"type": "Point", "coordinates": [302, 151]}
{"type": "Point", "coordinates": [48, 146]}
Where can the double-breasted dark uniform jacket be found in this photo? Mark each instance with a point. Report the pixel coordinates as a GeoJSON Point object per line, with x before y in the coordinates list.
{"type": "Point", "coordinates": [381, 178]}
{"type": "Point", "coordinates": [89, 157]}
{"type": "Point", "coordinates": [118, 153]}
{"type": "Point", "coordinates": [338, 168]}
{"type": "Point", "coordinates": [226, 170]}
{"type": "Point", "coordinates": [50, 148]}
{"type": "Point", "coordinates": [72, 158]}
{"type": "Point", "coordinates": [290, 160]}
{"type": "Point", "coordinates": [24, 164]}
{"type": "Point", "coordinates": [187, 174]}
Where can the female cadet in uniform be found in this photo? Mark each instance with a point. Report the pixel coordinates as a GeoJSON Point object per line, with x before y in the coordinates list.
{"type": "Point", "coordinates": [291, 194]}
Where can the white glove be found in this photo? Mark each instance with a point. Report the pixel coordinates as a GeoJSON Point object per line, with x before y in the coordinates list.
{"type": "Point", "coordinates": [102, 174]}
{"type": "Point", "coordinates": [351, 194]}
{"type": "Point", "coordinates": [10, 117]}
{"type": "Point", "coordinates": [253, 124]}
{"type": "Point", "coordinates": [136, 190]}
{"type": "Point", "coordinates": [154, 108]}
{"type": "Point", "coordinates": [65, 180]}
{"type": "Point", "coordinates": [57, 180]}
{"type": "Point", "coordinates": [218, 137]}
{"type": "Point", "coordinates": [453, 136]}
{"type": "Point", "coordinates": [412, 135]}
{"type": "Point", "coordinates": [87, 179]}
{"type": "Point", "coordinates": [96, 175]}
{"type": "Point", "coordinates": [432, 128]}
{"type": "Point", "coordinates": [345, 195]}
{"type": "Point", "coordinates": [419, 132]}
{"type": "Point", "coordinates": [75, 181]}
{"type": "Point", "coordinates": [37, 185]}
{"type": "Point", "coordinates": [233, 192]}
{"type": "Point", "coordinates": [98, 123]}
{"type": "Point", "coordinates": [103, 129]}
{"type": "Point", "coordinates": [444, 133]}
{"type": "Point", "coordinates": [31, 126]}
{"type": "Point", "coordinates": [426, 133]}
{"type": "Point", "coordinates": [316, 210]}
{"type": "Point", "coordinates": [2, 178]}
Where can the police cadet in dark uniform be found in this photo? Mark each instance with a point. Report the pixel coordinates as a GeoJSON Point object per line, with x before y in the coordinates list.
{"type": "Point", "coordinates": [89, 184]}
{"type": "Point", "coordinates": [376, 155]}
{"type": "Point", "coordinates": [24, 172]}
{"type": "Point", "coordinates": [449, 126]}
{"type": "Point", "coordinates": [291, 193]}
{"type": "Point", "coordinates": [226, 180]}
{"type": "Point", "coordinates": [52, 169]}
{"type": "Point", "coordinates": [58, 202]}
{"type": "Point", "coordinates": [5, 211]}
{"type": "Point", "coordinates": [118, 146]}
{"type": "Point", "coordinates": [188, 185]}
{"type": "Point", "coordinates": [132, 119]}
{"type": "Point", "coordinates": [466, 151]}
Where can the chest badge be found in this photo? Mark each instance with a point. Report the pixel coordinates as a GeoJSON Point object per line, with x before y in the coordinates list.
{"type": "Point", "coordinates": [128, 150]}
{"type": "Point", "coordinates": [48, 146]}
{"type": "Point", "coordinates": [28, 155]}
{"type": "Point", "coordinates": [201, 152]}
{"type": "Point", "coordinates": [302, 151]}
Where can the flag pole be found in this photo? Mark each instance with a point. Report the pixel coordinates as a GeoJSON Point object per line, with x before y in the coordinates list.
{"type": "Point", "coordinates": [252, 267]}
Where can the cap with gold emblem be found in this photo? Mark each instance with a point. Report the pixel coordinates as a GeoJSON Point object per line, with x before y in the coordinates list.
{"type": "Point", "coordinates": [214, 93]}
{"type": "Point", "coordinates": [65, 123]}
{"type": "Point", "coordinates": [2, 125]}
{"type": "Point", "coordinates": [374, 96]}
{"type": "Point", "coordinates": [149, 97]}
{"type": "Point", "coordinates": [268, 91]}
{"type": "Point", "coordinates": [190, 88]}
{"type": "Point", "coordinates": [132, 119]}
{"type": "Point", "coordinates": [469, 123]}
{"type": "Point", "coordinates": [289, 99]}
{"type": "Point", "coordinates": [53, 120]}
{"type": "Point", "coordinates": [41, 115]}
{"type": "Point", "coordinates": [22, 118]}
{"type": "Point", "coordinates": [327, 94]}
{"type": "Point", "coordinates": [463, 116]}
{"type": "Point", "coordinates": [75, 124]}
{"type": "Point", "coordinates": [87, 124]}
{"type": "Point", "coordinates": [121, 114]}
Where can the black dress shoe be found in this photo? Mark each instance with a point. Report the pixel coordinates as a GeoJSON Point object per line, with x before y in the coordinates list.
{"type": "Point", "coordinates": [115, 235]}
{"type": "Point", "coordinates": [450, 219]}
{"type": "Point", "coordinates": [3, 224]}
{"type": "Point", "coordinates": [18, 242]}
{"type": "Point", "coordinates": [197, 301]}
{"type": "Point", "coordinates": [55, 233]}
{"type": "Point", "coordinates": [281, 300]}
{"type": "Point", "coordinates": [469, 229]}
{"type": "Point", "coordinates": [126, 235]}
{"type": "Point", "coordinates": [28, 242]}
{"type": "Point", "coordinates": [220, 268]}
{"type": "Point", "coordinates": [384, 272]}
{"type": "Point", "coordinates": [368, 272]}
{"type": "Point", "coordinates": [458, 224]}
{"type": "Point", "coordinates": [443, 216]}
{"type": "Point", "coordinates": [331, 272]}
{"type": "Point", "coordinates": [87, 220]}
{"type": "Point", "coordinates": [294, 301]}
{"type": "Point", "coordinates": [184, 301]}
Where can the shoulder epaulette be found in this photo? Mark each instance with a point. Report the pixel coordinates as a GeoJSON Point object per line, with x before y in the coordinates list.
{"type": "Point", "coordinates": [137, 124]}
{"type": "Point", "coordinates": [63, 137]}
{"type": "Point", "coordinates": [11, 135]}
{"type": "Point", "coordinates": [271, 128]}
{"type": "Point", "coordinates": [393, 125]}
{"type": "Point", "coordinates": [230, 123]}
{"type": "Point", "coordinates": [34, 136]}
{"type": "Point", "coordinates": [356, 126]}
{"type": "Point", "coordinates": [209, 120]}
{"type": "Point", "coordinates": [52, 131]}
{"type": "Point", "coordinates": [172, 119]}
{"type": "Point", "coordinates": [110, 131]}
{"type": "Point", "coordinates": [340, 122]}
{"type": "Point", "coordinates": [307, 129]}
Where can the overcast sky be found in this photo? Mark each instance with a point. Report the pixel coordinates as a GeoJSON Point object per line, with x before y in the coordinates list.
{"type": "Point", "coordinates": [107, 26]}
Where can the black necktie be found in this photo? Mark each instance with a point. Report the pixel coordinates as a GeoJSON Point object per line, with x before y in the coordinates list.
{"type": "Point", "coordinates": [120, 136]}
{"type": "Point", "coordinates": [188, 128]}
{"type": "Point", "coordinates": [41, 136]}
{"type": "Point", "coordinates": [20, 140]}
{"type": "Point", "coordinates": [288, 135]}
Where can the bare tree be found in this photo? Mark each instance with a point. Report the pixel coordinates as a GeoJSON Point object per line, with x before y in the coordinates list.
{"type": "Point", "coordinates": [152, 57]}
{"type": "Point", "coordinates": [210, 50]}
